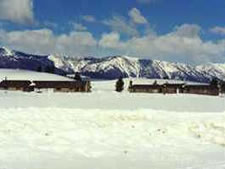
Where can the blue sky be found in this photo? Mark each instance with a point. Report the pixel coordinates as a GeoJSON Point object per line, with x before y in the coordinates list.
{"type": "Point", "coordinates": [188, 31]}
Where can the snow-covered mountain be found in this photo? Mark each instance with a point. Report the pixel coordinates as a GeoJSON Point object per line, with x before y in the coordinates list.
{"type": "Point", "coordinates": [111, 67]}
{"type": "Point", "coordinates": [19, 60]}
{"type": "Point", "coordinates": [116, 66]}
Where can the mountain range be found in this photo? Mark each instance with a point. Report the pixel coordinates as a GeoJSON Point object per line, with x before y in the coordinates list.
{"type": "Point", "coordinates": [111, 67]}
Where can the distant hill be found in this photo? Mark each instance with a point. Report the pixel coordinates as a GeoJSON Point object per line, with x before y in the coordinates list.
{"type": "Point", "coordinates": [12, 74]}
{"type": "Point", "coordinates": [111, 67]}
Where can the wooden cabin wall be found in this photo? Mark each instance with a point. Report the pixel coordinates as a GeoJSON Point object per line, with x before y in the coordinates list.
{"type": "Point", "coordinates": [201, 90]}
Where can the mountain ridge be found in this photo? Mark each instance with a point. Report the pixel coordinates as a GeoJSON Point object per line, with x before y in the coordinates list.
{"type": "Point", "coordinates": [111, 67]}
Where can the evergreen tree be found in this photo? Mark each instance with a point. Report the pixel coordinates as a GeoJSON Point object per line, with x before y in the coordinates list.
{"type": "Point", "coordinates": [39, 69]}
{"type": "Point", "coordinates": [166, 77]}
{"type": "Point", "coordinates": [119, 85]}
{"type": "Point", "coordinates": [214, 82]}
{"type": "Point", "coordinates": [52, 69]}
{"type": "Point", "coordinates": [77, 76]}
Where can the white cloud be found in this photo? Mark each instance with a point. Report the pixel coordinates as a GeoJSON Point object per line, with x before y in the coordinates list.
{"type": "Point", "coordinates": [183, 44]}
{"type": "Point", "coordinates": [44, 41]}
{"type": "Point", "coordinates": [37, 41]}
{"type": "Point", "coordinates": [79, 27]}
{"type": "Point", "coordinates": [128, 26]}
{"type": "Point", "coordinates": [188, 30]}
{"type": "Point", "coordinates": [49, 24]}
{"type": "Point", "coordinates": [89, 18]}
{"type": "Point", "coordinates": [19, 11]}
{"type": "Point", "coordinates": [76, 44]}
{"type": "Point", "coordinates": [121, 25]}
{"type": "Point", "coordinates": [137, 17]}
{"type": "Point", "coordinates": [111, 40]}
{"type": "Point", "coordinates": [218, 30]}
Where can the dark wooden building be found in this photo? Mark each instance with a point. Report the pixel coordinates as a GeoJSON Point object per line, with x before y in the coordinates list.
{"type": "Point", "coordinates": [157, 88]}
{"type": "Point", "coordinates": [169, 88]}
{"type": "Point", "coordinates": [222, 87]}
{"type": "Point", "coordinates": [21, 85]}
{"type": "Point", "coordinates": [173, 88]}
{"type": "Point", "coordinates": [64, 86]}
{"type": "Point", "coordinates": [202, 89]}
{"type": "Point", "coordinates": [57, 86]}
{"type": "Point", "coordinates": [146, 88]}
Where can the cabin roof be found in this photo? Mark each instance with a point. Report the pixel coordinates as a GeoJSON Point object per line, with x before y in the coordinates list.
{"type": "Point", "coordinates": [139, 86]}
{"type": "Point", "coordinates": [59, 84]}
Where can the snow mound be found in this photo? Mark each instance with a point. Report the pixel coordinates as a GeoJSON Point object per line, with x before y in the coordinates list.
{"type": "Point", "coordinates": [210, 132]}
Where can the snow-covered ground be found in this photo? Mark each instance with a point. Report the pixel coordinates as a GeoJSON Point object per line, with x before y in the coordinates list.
{"type": "Point", "coordinates": [10, 74]}
{"type": "Point", "coordinates": [109, 130]}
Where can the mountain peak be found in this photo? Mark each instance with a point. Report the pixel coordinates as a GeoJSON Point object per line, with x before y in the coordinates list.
{"type": "Point", "coordinates": [126, 57]}
{"type": "Point", "coordinates": [6, 51]}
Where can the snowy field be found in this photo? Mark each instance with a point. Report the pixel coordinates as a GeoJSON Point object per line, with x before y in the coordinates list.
{"type": "Point", "coordinates": [109, 130]}
{"type": "Point", "coordinates": [10, 74]}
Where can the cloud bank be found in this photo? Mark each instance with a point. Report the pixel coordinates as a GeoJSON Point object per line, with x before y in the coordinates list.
{"type": "Point", "coordinates": [183, 44]}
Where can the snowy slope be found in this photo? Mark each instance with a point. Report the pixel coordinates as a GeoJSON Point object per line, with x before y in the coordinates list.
{"type": "Point", "coordinates": [212, 70]}
{"type": "Point", "coordinates": [13, 74]}
{"type": "Point", "coordinates": [61, 63]}
{"type": "Point", "coordinates": [108, 68]}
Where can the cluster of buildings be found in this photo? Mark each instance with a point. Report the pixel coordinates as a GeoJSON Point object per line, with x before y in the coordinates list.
{"type": "Point", "coordinates": [85, 86]}
{"type": "Point", "coordinates": [57, 86]}
{"type": "Point", "coordinates": [169, 88]}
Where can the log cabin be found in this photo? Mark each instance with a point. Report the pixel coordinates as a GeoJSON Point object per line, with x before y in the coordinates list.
{"type": "Point", "coordinates": [173, 88]}
{"type": "Point", "coordinates": [22, 85]}
{"type": "Point", "coordinates": [202, 89]}
{"type": "Point", "coordinates": [57, 86]}
{"type": "Point", "coordinates": [145, 88]}
{"type": "Point", "coordinates": [170, 88]}
{"type": "Point", "coordinates": [64, 86]}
